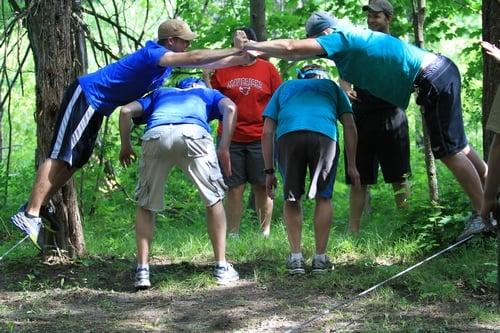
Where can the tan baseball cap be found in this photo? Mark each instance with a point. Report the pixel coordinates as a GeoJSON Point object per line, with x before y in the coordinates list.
{"type": "Point", "coordinates": [175, 28]}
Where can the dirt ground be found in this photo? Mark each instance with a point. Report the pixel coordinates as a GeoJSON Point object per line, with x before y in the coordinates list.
{"type": "Point", "coordinates": [97, 296]}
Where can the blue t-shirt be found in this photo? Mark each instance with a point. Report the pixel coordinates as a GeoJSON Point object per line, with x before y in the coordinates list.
{"type": "Point", "coordinates": [180, 106]}
{"type": "Point", "coordinates": [375, 61]}
{"type": "Point", "coordinates": [126, 80]}
{"type": "Point", "coordinates": [307, 105]}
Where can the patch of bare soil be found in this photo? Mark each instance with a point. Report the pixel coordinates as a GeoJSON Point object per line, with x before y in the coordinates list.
{"type": "Point", "coordinates": [96, 295]}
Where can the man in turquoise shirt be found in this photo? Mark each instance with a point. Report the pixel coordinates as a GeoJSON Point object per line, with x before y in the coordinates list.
{"type": "Point", "coordinates": [302, 115]}
{"type": "Point", "coordinates": [391, 69]}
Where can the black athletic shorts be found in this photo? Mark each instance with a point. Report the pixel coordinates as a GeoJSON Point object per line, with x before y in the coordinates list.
{"type": "Point", "coordinates": [383, 140]}
{"type": "Point", "coordinates": [438, 92]}
{"type": "Point", "coordinates": [303, 150]}
{"type": "Point", "coordinates": [76, 130]}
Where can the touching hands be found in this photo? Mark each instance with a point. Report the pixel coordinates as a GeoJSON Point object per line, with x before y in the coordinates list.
{"type": "Point", "coordinates": [491, 49]}
{"type": "Point", "coordinates": [240, 39]}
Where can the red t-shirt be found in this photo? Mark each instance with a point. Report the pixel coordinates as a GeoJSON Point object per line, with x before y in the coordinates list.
{"type": "Point", "coordinates": [250, 88]}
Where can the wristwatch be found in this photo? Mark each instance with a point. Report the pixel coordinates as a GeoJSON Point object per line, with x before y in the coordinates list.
{"type": "Point", "coordinates": [269, 171]}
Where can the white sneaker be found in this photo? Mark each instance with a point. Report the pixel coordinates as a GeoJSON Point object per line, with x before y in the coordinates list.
{"type": "Point", "coordinates": [142, 279]}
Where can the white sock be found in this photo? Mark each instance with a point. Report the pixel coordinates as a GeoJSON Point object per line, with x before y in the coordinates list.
{"type": "Point", "coordinates": [221, 263]}
{"type": "Point", "coordinates": [143, 266]}
{"type": "Point", "coordinates": [297, 256]}
{"type": "Point", "coordinates": [321, 256]}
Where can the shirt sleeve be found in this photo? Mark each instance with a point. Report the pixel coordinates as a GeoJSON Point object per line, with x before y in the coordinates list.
{"type": "Point", "coordinates": [215, 112]}
{"type": "Point", "coordinates": [146, 103]}
{"type": "Point", "coordinates": [333, 43]}
{"type": "Point", "coordinates": [155, 52]}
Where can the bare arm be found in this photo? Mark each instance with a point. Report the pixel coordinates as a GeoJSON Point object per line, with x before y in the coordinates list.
{"type": "Point", "coordinates": [127, 112]}
{"type": "Point", "coordinates": [196, 58]}
{"type": "Point", "coordinates": [492, 179]}
{"type": "Point", "coordinates": [351, 142]}
{"type": "Point", "coordinates": [288, 48]}
{"type": "Point", "coordinates": [229, 116]}
{"type": "Point", "coordinates": [267, 142]}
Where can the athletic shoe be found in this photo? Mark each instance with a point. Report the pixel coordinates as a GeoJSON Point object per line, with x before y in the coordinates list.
{"type": "Point", "coordinates": [320, 266]}
{"type": "Point", "coordinates": [474, 225]}
{"type": "Point", "coordinates": [225, 274]}
{"type": "Point", "coordinates": [142, 279]}
{"type": "Point", "coordinates": [47, 212]}
{"type": "Point", "coordinates": [30, 226]}
{"type": "Point", "coordinates": [295, 266]}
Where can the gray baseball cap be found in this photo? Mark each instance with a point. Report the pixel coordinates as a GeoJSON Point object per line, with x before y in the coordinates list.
{"type": "Point", "coordinates": [319, 21]}
{"type": "Point", "coordinates": [380, 6]}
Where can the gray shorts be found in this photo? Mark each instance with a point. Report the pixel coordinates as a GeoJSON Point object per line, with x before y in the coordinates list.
{"type": "Point", "coordinates": [187, 146]}
{"type": "Point", "coordinates": [247, 164]}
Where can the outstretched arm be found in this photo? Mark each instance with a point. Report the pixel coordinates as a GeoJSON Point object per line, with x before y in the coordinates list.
{"type": "Point", "coordinates": [229, 115]}
{"type": "Point", "coordinates": [290, 49]}
{"type": "Point", "coordinates": [127, 112]}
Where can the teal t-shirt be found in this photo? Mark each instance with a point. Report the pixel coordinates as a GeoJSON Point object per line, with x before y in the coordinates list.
{"type": "Point", "coordinates": [375, 61]}
{"type": "Point", "coordinates": [307, 105]}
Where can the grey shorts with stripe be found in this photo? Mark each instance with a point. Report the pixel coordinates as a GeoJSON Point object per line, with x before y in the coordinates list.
{"type": "Point", "coordinates": [187, 146]}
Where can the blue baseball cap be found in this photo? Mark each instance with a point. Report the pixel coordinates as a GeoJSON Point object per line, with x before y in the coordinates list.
{"type": "Point", "coordinates": [319, 21]}
{"type": "Point", "coordinates": [189, 82]}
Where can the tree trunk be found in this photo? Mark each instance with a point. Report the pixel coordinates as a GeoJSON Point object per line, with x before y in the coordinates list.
{"type": "Point", "coordinates": [258, 18]}
{"type": "Point", "coordinates": [491, 68]}
{"type": "Point", "coordinates": [430, 163]}
{"type": "Point", "coordinates": [54, 48]}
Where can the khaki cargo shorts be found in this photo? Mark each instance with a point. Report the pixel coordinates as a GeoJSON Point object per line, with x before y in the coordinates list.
{"type": "Point", "coordinates": [187, 146]}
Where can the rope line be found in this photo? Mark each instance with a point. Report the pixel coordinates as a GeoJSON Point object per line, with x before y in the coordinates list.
{"type": "Point", "coordinates": [361, 294]}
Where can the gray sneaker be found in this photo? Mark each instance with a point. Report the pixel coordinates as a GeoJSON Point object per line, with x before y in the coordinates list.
{"type": "Point", "coordinates": [225, 274]}
{"type": "Point", "coordinates": [142, 279]}
{"type": "Point", "coordinates": [474, 225]}
{"type": "Point", "coordinates": [30, 226]}
{"type": "Point", "coordinates": [295, 266]}
{"type": "Point", "coordinates": [320, 266]}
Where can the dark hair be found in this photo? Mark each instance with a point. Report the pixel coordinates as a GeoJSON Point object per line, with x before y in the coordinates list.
{"type": "Point", "coordinates": [249, 32]}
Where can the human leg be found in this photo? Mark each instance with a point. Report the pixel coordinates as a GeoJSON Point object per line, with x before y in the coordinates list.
{"type": "Point", "coordinates": [401, 193]}
{"type": "Point", "coordinates": [322, 223]}
{"type": "Point", "coordinates": [264, 206]}
{"type": "Point", "coordinates": [234, 208]}
{"type": "Point", "coordinates": [216, 225]}
{"type": "Point", "coordinates": [50, 177]}
{"type": "Point", "coordinates": [467, 176]}
{"type": "Point", "coordinates": [144, 229]}
{"type": "Point", "coordinates": [357, 199]}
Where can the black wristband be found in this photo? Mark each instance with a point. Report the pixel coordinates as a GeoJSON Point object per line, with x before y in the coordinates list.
{"type": "Point", "coordinates": [269, 171]}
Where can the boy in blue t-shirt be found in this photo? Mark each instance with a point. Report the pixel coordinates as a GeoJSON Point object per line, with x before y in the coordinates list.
{"type": "Point", "coordinates": [177, 134]}
{"type": "Point", "coordinates": [392, 69]}
{"type": "Point", "coordinates": [95, 95]}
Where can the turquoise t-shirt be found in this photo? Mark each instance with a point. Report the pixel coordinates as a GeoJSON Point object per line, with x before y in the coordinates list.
{"type": "Point", "coordinates": [375, 61]}
{"type": "Point", "coordinates": [307, 105]}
